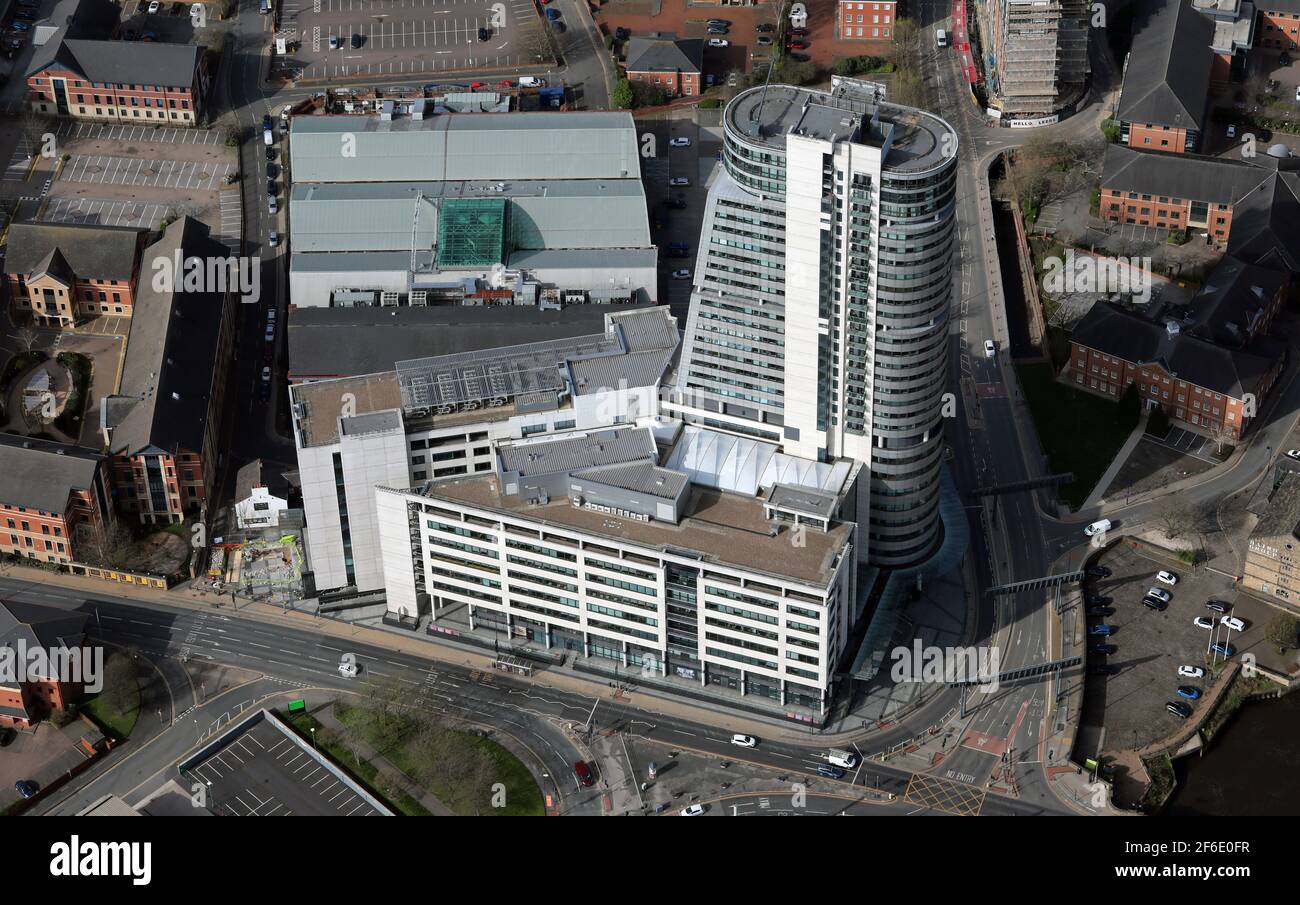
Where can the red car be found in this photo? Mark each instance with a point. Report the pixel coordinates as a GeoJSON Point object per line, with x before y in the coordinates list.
{"type": "Point", "coordinates": [583, 773]}
{"type": "Point", "coordinates": [474, 86]}
{"type": "Point", "coordinates": [796, 44]}
{"type": "Point", "coordinates": [505, 83]}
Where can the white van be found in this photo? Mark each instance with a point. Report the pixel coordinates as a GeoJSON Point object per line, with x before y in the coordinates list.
{"type": "Point", "coordinates": [531, 81]}
{"type": "Point", "coordinates": [940, 38]}
{"type": "Point", "coordinates": [1098, 527]}
{"type": "Point", "coordinates": [841, 758]}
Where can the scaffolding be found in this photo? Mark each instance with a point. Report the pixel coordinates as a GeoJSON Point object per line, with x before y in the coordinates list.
{"type": "Point", "coordinates": [471, 233]}
{"type": "Point", "coordinates": [1040, 49]}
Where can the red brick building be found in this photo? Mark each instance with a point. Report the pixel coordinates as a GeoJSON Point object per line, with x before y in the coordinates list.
{"type": "Point", "coordinates": [54, 499]}
{"type": "Point", "coordinates": [1209, 371]}
{"type": "Point", "coordinates": [63, 273]}
{"type": "Point", "coordinates": [866, 20]}
{"type": "Point", "coordinates": [118, 81]}
{"type": "Point", "coordinates": [1279, 25]}
{"type": "Point", "coordinates": [1164, 101]}
{"type": "Point", "coordinates": [1190, 192]}
{"type": "Point", "coordinates": [664, 61]}
{"type": "Point", "coordinates": [161, 428]}
{"type": "Point", "coordinates": [26, 699]}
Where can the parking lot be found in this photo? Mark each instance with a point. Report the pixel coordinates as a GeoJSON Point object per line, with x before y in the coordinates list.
{"type": "Point", "coordinates": [408, 36]}
{"type": "Point", "coordinates": [262, 772]}
{"type": "Point", "coordinates": [1127, 710]}
{"type": "Point", "coordinates": [135, 171]}
{"type": "Point", "coordinates": [138, 175]}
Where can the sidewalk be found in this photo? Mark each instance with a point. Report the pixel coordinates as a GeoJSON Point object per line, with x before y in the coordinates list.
{"type": "Point", "coordinates": [1096, 498]}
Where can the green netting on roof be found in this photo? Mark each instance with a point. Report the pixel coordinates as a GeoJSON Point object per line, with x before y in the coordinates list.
{"type": "Point", "coordinates": [471, 232]}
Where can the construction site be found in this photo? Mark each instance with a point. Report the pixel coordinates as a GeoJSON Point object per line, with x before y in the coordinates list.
{"type": "Point", "coordinates": [1036, 54]}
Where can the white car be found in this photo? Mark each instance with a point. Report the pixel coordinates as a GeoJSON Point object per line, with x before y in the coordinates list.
{"type": "Point", "coordinates": [719, 42]}
{"type": "Point", "coordinates": [270, 315]}
{"type": "Point", "coordinates": [1232, 131]}
{"type": "Point", "coordinates": [348, 666]}
{"type": "Point", "coordinates": [693, 810]}
{"type": "Point", "coordinates": [1203, 622]}
{"type": "Point", "coordinates": [266, 374]}
{"type": "Point", "coordinates": [1233, 623]}
{"type": "Point", "coordinates": [275, 238]}
{"type": "Point", "coordinates": [679, 180]}
{"type": "Point", "coordinates": [1099, 527]}
{"type": "Point", "coordinates": [1190, 672]}
{"type": "Point", "coordinates": [681, 274]}
{"type": "Point", "coordinates": [1159, 594]}
{"type": "Point", "coordinates": [271, 205]}
{"type": "Point", "coordinates": [154, 6]}
{"type": "Point", "coordinates": [1293, 453]}
{"type": "Point", "coordinates": [196, 10]}
{"type": "Point", "coordinates": [1168, 578]}
{"type": "Point", "coordinates": [744, 741]}
{"type": "Point", "coordinates": [680, 143]}
{"type": "Point", "coordinates": [270, 332]}
{"type": "Point", "coordinates": [990, 350]}
{"type": "Point", "coordinates": [1297, 92]}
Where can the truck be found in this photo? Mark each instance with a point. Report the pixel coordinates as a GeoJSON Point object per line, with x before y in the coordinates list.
{"type": "Point", "coordinates": [531, 81]}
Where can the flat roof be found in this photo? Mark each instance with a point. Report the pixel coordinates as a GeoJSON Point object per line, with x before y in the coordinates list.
{"type": "Point", "coordinates": [724, 528]}
{"type": "Point", "coordinates": [323, 403]}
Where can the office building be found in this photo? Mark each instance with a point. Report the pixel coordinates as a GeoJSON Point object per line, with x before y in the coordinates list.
{"type": "Point", "coordinates": [437, 417]}
{"type": "Point", "coordinates": [590, 545]}
{"type": "Point", "coordinates": [819, 312]}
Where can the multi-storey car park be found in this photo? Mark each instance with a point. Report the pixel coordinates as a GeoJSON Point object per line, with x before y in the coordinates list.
{"type": "Point", "coordinates": [819, 312]}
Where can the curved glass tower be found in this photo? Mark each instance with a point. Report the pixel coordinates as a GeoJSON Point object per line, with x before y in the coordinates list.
{"type": "Point", "coordinates": [819, 312]}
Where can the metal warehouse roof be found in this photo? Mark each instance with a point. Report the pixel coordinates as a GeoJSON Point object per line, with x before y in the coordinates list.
{"type": "Point", "coordinates": [561, 214]}
{"type": "Point", "coordinates": [465, 146]}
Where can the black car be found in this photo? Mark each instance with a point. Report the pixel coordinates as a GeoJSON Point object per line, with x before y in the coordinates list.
{"type": "Point", "coordinates": [622, 34]}
{"type": "Point", "coordinates": [357, 41]}
{"type": "Point", "coordinates": [1102, 649]}
{"type": "Point", "coordinates": [1102, 669]}
{"type": "Point", "coordinates": [800, 57]}
{"type": "Point", "coordinates": [1098, 600]}
{"type": "Point", "coordinates": [1284, 59]}
{"type": "Point", "coordinates": [1179, 709]}
{"type": "Point", "coordinates": [1219, 606]}
{"type": "Point", "coordinates": [484, 34]}
{"type": "Point", "coordinates": [678, 204]}
{"type": "Point", "coordinates": [272, 170]}
{"type": "Point", "coordinates": [1101, 611]}
{"type": "Point", "coordinates": [270, 153]}
{"type": "Point", "coordinates": [766, 27]}
{"type": "Point", "coordinates": [270, 187]}
{"type": "Point", "coordinates": [1152, 603]}
{"type": "Point", "coordinates": [1098, 572]}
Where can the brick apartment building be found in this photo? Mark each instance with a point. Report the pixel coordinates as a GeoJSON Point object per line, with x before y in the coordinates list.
{"type": "Point", "coordinates": [25, 626]}
{"type": "Point", "coordinates": [62, 273]}
{"type": "Point", "coordinates": [665, 61]}
{"type": "Point", "coordinates": [1279, 25]}
{"type": "Point", "coordinates": [118, 81]}
{"type": "Point", "coordinates": [1190, 192]}
{"type": "Point", "coordinates": [160, 429]}
{"type": "Point", "coordinates": [1178, 365]}
{"type": "Point", "coordinates": [1164, 101]}
{"type": "Point", "coordinates": [55, 501]}
{"type": "Point", "coordinates": [865, 20]}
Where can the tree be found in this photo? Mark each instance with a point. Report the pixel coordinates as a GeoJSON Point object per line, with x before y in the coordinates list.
{"type": "Point", "coordinates": [121, 689]}
{"type": "Point", "coordinates": [27, 337]}
{"type": "Point", "coordinates": [621, 97]}
{"type": "Point", "coordinates": [1158, 422]}
{"type": "Point", "coordinates": [1175, 518]}
{"type": "Point", "coordinates": [1282, 631]}
{"type": "Point", "coordinates": [1130, 405]}
{"type": "Point", "coordinates": [108, 548]}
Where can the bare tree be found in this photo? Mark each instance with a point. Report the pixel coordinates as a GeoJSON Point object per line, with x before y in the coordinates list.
{"type": "Point", "coordinates": [1175, 518]}
{"type": "Point", "coordinates": [108, 547]}
{"type": "Point", "coordinates": [27, 337]}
